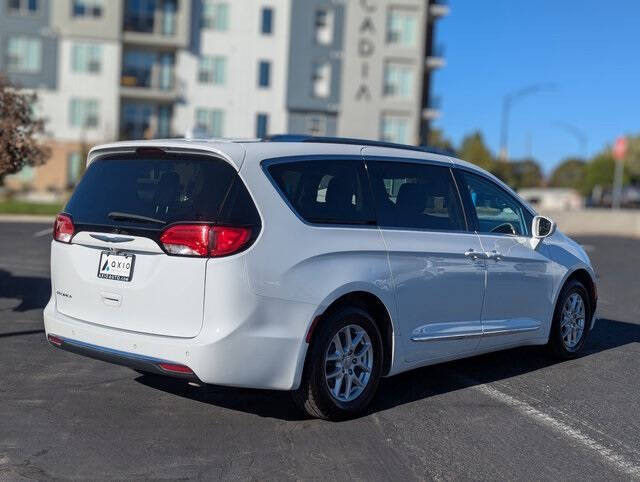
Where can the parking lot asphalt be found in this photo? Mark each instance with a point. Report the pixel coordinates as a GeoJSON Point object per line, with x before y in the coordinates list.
{"type": "Point", "coordinates": [514, 414]}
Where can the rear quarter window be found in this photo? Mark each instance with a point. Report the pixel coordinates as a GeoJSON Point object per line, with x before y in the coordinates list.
{"type": "Point", "coordinates": [325, 191]}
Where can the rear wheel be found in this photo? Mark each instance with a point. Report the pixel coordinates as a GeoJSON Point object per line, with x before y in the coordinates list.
{"type": "Point", "coordinates": [343, 367]}
{"type": "Point", "coordinates": [571, 321]}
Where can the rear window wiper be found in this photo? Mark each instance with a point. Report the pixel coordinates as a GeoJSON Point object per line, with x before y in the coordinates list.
{"type": "Point", "coordinates": [116, 216]}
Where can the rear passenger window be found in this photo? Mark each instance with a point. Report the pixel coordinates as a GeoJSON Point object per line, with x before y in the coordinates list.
{"type": "Point", "coordinates": [326, 192]}
{"type": "Point", "coordinates": [412, 195]}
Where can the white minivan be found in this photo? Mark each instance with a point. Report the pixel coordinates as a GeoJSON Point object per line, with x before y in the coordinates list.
{"type": "Point", "coordinates": [316, 265]}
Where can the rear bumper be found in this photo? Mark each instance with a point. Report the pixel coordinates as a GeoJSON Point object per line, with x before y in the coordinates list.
{"type": "Point", "coordinates": [264, 349]}
{"type": "Point", "coordinates": [132, 360]}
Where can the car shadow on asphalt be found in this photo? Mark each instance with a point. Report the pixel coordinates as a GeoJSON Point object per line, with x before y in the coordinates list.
{"type": "Point", "coordinates": [32, 291]}
{"type": "Point", "coordinates": [407, 387]}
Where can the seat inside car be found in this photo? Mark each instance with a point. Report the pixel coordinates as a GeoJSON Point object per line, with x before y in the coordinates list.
{"type": "Point", "coordinates": [411, 205]}
{"type": "Point", "coordinates": [338, 201]}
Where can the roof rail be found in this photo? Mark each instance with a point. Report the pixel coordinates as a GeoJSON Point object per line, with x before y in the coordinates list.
{"type": "Point", "coordinates": [349, 140]}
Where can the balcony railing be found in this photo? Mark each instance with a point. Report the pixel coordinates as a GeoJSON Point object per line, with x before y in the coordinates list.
{"type": "Point", "coordinates": [438, 8]}
{"type": "Point", "coordinates": [436, 59]}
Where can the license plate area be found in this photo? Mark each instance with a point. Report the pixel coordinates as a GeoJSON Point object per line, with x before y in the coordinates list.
{"type": "Point", "coordinates": [116, 266]}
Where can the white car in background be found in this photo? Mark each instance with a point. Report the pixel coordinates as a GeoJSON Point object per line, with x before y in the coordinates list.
{"type": "Point", "coordinates": [314, 265]}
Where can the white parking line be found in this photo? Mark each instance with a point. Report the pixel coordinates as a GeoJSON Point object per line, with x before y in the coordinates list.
{"type": "Point", "coordinates": [43, 232]}
{"type": "Point", "coordinates": [614, 459]}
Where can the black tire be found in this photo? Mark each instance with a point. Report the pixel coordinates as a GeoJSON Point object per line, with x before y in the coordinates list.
{"type": "Point", "coordinates": [556, 345]}
{"type": "Point", "coordinates": [313, 395]}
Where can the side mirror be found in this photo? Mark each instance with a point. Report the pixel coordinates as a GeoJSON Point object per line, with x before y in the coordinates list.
{"type": "Point", "coordinates": [541, 227]}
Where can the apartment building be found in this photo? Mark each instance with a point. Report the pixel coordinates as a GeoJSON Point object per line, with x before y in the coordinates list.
{"type": "Point", "coordinates": [127, 69]}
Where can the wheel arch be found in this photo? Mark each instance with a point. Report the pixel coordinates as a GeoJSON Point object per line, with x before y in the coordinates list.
{"type": "Point", "coordinates": [373, 305]}
{"type": "Point", "coordinates": [584, 276]}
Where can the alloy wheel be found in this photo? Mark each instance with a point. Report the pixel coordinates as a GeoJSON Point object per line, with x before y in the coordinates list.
{"type": "Point", "coordinates": [573, 321]}
{"type": "Point", "coordinates": [348, 363]}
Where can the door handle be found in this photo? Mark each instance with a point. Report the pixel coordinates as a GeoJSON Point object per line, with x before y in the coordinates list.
{"type": "Point", "coordinates": [494, 255]}
{"type": "Point", "coordinates": [470, 253]}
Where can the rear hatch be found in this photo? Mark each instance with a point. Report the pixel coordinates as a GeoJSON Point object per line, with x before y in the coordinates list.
{"type": "Point", "coordinates": [142, 228]}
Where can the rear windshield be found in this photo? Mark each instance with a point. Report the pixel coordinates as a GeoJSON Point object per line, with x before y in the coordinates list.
{"type": "Point", "coordinates": [145, 191]}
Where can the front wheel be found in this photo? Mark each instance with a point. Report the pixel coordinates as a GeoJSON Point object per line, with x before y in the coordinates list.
{"type": "Point", "coordinates": [343, 367]}
{"type": "Point", "coordinates": [571, 321]}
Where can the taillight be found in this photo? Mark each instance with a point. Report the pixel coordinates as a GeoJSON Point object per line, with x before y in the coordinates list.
{"type": "Point", "coordinates": [226, 240]}
{"type": "Point", "coordinates": [204, 240]}
{"type": "Point", "coordinates": [63, 228]}
{"type": "Point", "coordinates": [186, 239]}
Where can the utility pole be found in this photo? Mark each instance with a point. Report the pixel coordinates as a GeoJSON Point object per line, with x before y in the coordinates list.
{"type": "Point", "coordinates": [507, 102]}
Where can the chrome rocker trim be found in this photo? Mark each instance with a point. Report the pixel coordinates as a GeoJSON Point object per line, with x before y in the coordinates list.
{"type": "Point", "coordinates": [509, 331]}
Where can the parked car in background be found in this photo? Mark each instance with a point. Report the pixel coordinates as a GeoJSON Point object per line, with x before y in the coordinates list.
{"type": "Point", "coordinates": [314, 265]}
{"type": "Point", "coordinates": [550, 198]}
{"type": "Point", "coordinates": [603, 197]}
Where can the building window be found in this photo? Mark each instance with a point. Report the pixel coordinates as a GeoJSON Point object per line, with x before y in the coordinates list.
{"type": "Point", "coordinates": [401, 27]}
{"type": "Point", "coordinates": [394, 128]}
{"type": "Point", "coordinates": [74, 168]}
{"type": "Point", "coordinates": [262, 125]}
{"type": "Point", "coordinates": [212, 70]}
{"type": "Point", "coordinates": [164, 121]}
{"type": "Point", "coordinates": [321, 80]}
{"type": "Point", "coordinates": [148, 68]}
{"type": "Point", "coordinates": [136, 121]}
{"type": "Point", "coordinates": [86, 58]}
{"type": "Point", "coordinates": [139, 15]}
{"type": "Point", "coordinates": [24, 54]}
{"type": "Point", "coordinates": [26, 175]}
{"type": "Point", "coordinates": [264, 73]}
{"type": "Point", "coordinates": [267, 21]}
{"type": "Point", "coordinates": [84, 113]}
{"type": "Point", "coordinates": [165, 71]}
{"type": "Point", "coordinates": [23, 7]}
{"type": "Point", "coordinates": [87, 8]}
{"type": "Point", "coordinates": [210, 121]}
{"type": "Point", "coordinates": [137, 67]}
{"type": "Point", "coordinates": [316, 126]}
{"type": "Point", "coordinates": [324, 26]}
{"type": "Point", "coordinates": [169, 8]}
{"type": "Point", "coordinates": [398, 80]}
{"type": "Point", "coordinates": [215, 15]}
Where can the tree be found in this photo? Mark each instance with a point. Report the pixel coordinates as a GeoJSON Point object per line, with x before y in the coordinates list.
{"type": "Point", "coordinates": [571, 173]}
{"type": "Point", "coordinates": [526, 173]}
{"type": "Point", "coordinates": [473, 149]}
{"type": "Point", "coordinates": [19, 130]}
{"type": "Point", "coordinates": [600, 172]}
{"type": "Point", "coordinates": [503, 170]}
{"type": "Point", "coordinates": [439, 141]}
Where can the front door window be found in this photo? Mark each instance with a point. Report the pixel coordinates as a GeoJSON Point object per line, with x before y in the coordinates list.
{"type": "Point", "coordinates": [496, 210]}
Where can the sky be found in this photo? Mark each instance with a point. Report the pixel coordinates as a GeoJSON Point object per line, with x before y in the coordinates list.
{"type": "Point", "coordinates": [588, 50]}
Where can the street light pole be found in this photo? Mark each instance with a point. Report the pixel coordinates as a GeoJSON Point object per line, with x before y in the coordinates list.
{"type": "Point", "coordinates": [579, 134]}
{"type": "Point", "coordinates": [507, 102]}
